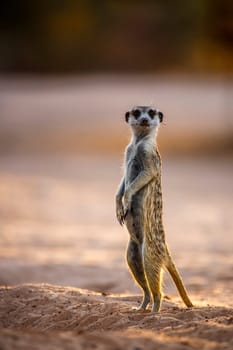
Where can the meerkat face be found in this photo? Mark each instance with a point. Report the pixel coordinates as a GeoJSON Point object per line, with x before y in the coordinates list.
{"type": "Point", "coordinates": [144, 117]}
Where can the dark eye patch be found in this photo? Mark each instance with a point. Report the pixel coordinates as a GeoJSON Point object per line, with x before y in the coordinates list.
{"type": "Point", "coordinates": [136, 113]}
{"type": "Point", "coordinates": [151, 113]}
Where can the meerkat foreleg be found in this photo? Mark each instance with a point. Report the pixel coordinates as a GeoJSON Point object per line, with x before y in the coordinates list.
{"type": "Point", "coordinates": [143, 178]}
{"type": "Point", "coordinates": [119, 203]}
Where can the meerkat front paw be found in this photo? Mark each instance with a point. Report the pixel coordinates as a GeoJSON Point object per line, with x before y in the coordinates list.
{"type": "Point", "coordinates": [127, 205]}
{"type": "Point", "coordinates": [120, 212]}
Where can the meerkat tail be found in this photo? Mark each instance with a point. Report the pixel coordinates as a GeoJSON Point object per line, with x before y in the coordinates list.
{"type": "Point", "coordinates": [171, 267]}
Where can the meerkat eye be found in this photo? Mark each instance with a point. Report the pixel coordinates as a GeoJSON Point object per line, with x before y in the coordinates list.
{"type": "Point", "coordinates": [151, 113]}
{"type": "Point", "coordinates": [136, 113]}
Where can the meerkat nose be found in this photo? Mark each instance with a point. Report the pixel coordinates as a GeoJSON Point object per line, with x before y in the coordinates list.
{"type": "Point", "coordinates": [144, 121]}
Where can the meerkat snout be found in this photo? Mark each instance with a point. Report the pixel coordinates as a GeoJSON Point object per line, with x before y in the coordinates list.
{"type": "Point", "coordinates": [144, 122]}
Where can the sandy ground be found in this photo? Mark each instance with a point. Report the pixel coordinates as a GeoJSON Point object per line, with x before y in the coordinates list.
{"type": "Point", "coordinates": [64, 280]}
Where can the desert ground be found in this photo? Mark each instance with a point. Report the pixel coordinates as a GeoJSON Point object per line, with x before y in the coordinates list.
{"type": "Point", "coordinates": [64, 282]}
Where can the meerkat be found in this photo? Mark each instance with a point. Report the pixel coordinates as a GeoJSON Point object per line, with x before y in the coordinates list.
{"type": "Point", "coordinates": [139, 206]}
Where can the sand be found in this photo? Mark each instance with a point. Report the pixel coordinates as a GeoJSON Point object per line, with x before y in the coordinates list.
{"type": "Point", "coordinates": [64, 280]}
{"type": "Point", "coordinates": [46, 317]}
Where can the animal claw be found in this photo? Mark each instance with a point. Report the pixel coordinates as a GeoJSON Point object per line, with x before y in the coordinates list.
{"type": "Point", "coordinates": [120, 219]}
{"type": "Point", "coordinates": [125, 213]}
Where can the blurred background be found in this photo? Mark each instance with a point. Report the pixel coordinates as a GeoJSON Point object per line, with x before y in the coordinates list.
{"type": "Point", "coordinates": [69, 70]}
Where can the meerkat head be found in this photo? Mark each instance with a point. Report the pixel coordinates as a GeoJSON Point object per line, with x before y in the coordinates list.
{"type": "Point", "coordinates": [144, 118]}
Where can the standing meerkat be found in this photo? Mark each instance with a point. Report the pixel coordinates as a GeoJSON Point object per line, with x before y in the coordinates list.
{"type": "Point", "coordinates": [139, 205]}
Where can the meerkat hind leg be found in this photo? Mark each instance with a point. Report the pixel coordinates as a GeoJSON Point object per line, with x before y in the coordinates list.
{"type": "Point", "coordinates": [135, 263]}
{"type": "Point", "coordinates": [153, 271]}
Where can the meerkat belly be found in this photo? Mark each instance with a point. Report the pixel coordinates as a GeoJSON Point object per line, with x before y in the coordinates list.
{"type": "Point", "coordinates": [135, 217]}
{"type": "Point", "coordinates": [133, 170]}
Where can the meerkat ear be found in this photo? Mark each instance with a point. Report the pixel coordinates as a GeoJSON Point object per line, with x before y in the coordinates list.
{"type": "Point", "coordinates": [160, 117]}
{"type": "Point", "coordinates": [127, 117]}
